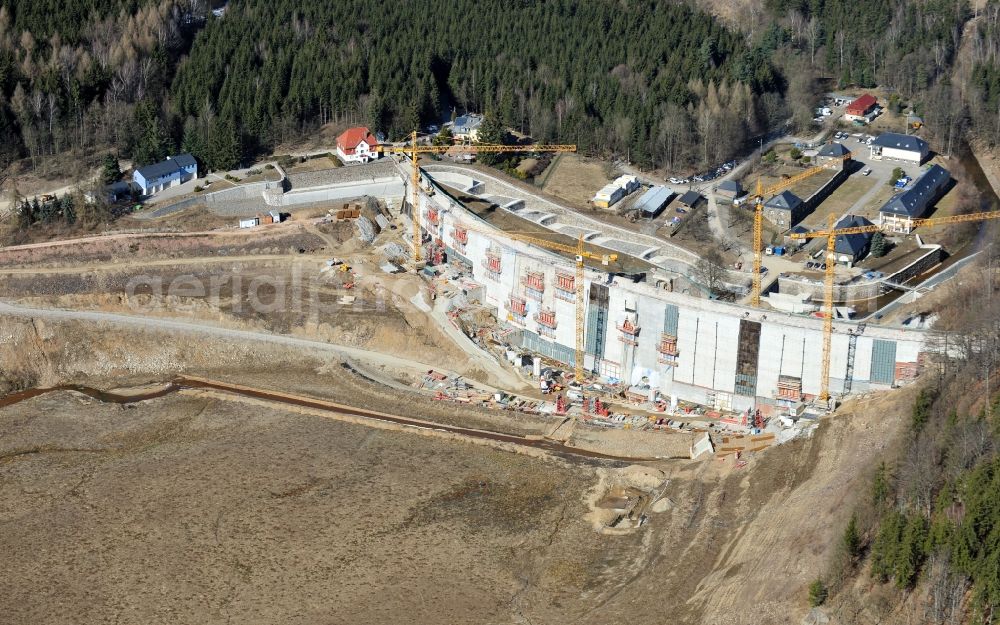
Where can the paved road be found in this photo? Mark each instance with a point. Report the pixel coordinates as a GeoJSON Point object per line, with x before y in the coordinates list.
{"type": "Point", "coordinates": [928, 284]}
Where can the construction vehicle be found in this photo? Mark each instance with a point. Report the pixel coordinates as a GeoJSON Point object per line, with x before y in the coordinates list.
{"type": "Point", "coordinates": [831, 234]}
{"type": "Point", "coordinates": [414, 150]}
{"type": "Point", "coordinates": [580, 254]}
{"type": "Point", "coordinates": [758, 219]}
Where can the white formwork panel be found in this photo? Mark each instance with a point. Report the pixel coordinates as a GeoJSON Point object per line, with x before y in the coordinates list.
{"type": "Point", "coordinates": [687, 339]}
{"type": "Point", "coordinates": [839, 346]}
{"type": "Point", "coordinates": [616, 305]}
{"type": "Point", "coordinates": [645, 354]}
{"type": "Point", "coordinates": [791, 343]}
{"type": "Point", "coordinates": [907, 351]}
{"type": "Point", "coordinates": [704, 366]}
{"type": "Point", "coordinates": [769, 359]}
{"type": "Point", "coordinates": [812, 365]}
{"type": "Point", "coordinates": [725, 362]}
{"type": "Point", "coordinates": [566, 317]}
{"type": "Point", "coordinates": [651, 314]}
{"type": "Point", "coordinates": [863, 360]}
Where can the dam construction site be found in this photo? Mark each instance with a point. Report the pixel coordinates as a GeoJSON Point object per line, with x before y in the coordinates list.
{"type": "Point", "coordinates": [552, 414]}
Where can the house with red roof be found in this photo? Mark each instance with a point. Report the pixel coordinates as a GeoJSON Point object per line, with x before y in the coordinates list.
{"type": "Point", "coordinates": [861, 109]}
{"type": "Point", "coordinates": [357, 145]}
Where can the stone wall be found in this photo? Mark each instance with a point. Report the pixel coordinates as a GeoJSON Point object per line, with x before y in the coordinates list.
{"type": "Point", "coordinates": [860, 289]}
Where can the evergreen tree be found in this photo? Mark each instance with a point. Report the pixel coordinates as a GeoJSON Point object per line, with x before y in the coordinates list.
{"type": "Point", "coordinates": [817, 593]}
{"type": "Point", "coordinates": [852, 539]}
{"type": "Point", "coordinates": [110, 171]}
{"type": "Point", "coordinates": [67, 209]}
{"type": "Point", "coordinates": [492, 132]}
{"type": "Point", "coordinates": [26, 214]}
{"type": "Point", "coordinates": [224, 150]}
{"type": "Point", "coordinates": [193, 142]}
{"type": "Point", "coordinates": [912, 551]}
{"type": "Point", "coordinates": [878, 245]}
{"type": "Point", "coordinates": [152, 143]}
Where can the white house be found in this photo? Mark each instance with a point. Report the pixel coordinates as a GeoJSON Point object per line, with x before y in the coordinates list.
{"type": "Point", "coordinates": [466, 127]}
{"type": "Point", "coordinates": [169, 173]}
{"type": "Point", "coordinates": [894, 146]}
{"type": "Point", "coordinates": [357, 145]}
{"type": "Point", "coordinates": [898, 213]}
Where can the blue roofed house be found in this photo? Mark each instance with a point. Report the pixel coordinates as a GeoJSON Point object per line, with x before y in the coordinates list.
{"type": "Point", "coordinates": [850, 248]}
{"type": "Point", "coordinates": [175, 170]}
{"type": "Point", "coordinates": [898, 213]}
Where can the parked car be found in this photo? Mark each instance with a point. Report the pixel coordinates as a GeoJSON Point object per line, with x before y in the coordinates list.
{"type": "Point", "coordinates": [867, 172]}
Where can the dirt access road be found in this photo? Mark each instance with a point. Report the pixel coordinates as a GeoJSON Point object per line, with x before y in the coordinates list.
{"type": "Point", "coordinates": [333, 410]}
{"type": "Point", "coordinates": [509, 379]}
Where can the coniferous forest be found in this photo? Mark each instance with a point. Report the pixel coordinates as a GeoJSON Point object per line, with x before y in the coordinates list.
{"type": "Point", "coordinates": [662, 82]}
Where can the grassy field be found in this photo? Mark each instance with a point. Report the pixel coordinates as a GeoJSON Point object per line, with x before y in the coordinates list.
{"type": "Point", "coordinates": [840, 201]}
{"type": "Point", "coordinates": [317, 163]}
{"type": "Point", "coordinates": [576, 179]}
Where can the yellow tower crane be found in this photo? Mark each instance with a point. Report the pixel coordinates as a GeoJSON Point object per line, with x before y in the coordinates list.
{"type": "Point", "coordinates": [758, 219]}
{"type": "Point", "coordinates": [580, 254]}
{"type": "Point", "coordinates": [831, 235]}
{"type": "Point", "coordinates": [413, 150]}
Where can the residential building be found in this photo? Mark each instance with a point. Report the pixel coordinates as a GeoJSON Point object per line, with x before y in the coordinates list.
{"type": "Point", "coordinates": [850, 248]}
{"type": "Point", "coordinates": [169, 173]}
{"type": "Point", "coordinates": [357, 145]}
{"type": "Point", "coordinates": [894, 146]}
{"type": "Point", "coordinates": [833, 156]}
{"type": "Point", "coordinates": [466, 127]}
{"type": "Point", "coordinates": [861, 108]}
{"type": "Point", "coordinates": [785, 209]}
{"type": "Point", "coordinates": [728, 190]}
{"type": "Point", "coordinates": [653, 201]}
{"type": "Point", "coordinates": [898, 213]}
{"type": "Point", "coordinates": [690, 199]}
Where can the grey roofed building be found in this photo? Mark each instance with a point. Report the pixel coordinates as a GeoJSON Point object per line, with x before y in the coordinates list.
{"type": "Point", "coordinates": [915, 201]}
{"type": "Point", "coordinates": [799, 229]}
{"type": "Point", "coordinates": [168, 173]}
{"type": "Point", "coordinates": [653, 201]}
{"type": "Point", "coordinates": [184, 160]}
{"type": "Point", "coordinates": [729, 189]}
{"type": "Point", "coordinates": [785, 200]}
{"type": "Point", "coordinates": [785, 209]}
{"type": "Point", "coordinates": [467, 124]}
{"type": "Point", "coordinates": [854, 246]}
{"type": "Point", "coordinates": [690, 198]}
{"type": "Point", "coordinates": [909, 143]}
{"type": "Point", "coordinates": [833, 149]}
{"type": "Point", "coordinates": [158, 170]}
{"type": "Point", "coordinates": [833, 156]}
